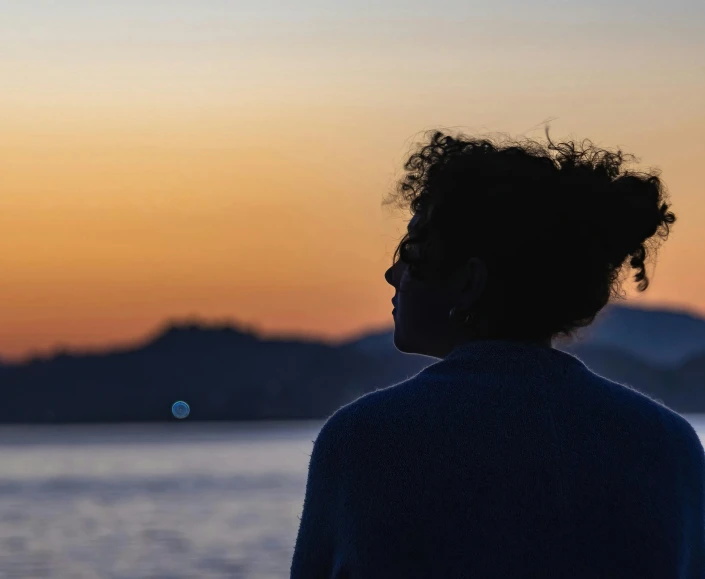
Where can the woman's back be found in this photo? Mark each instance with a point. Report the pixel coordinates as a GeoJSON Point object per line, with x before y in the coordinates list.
{"type": "Point", "coordinates": [504, 460]}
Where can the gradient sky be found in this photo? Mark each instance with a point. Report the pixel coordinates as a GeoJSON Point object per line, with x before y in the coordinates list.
{"type": "Point", "coordinates": [227, 160]}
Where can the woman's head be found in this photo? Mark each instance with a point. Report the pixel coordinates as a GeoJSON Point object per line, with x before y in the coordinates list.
{"type": "Point", "coordinates": [521, 240]}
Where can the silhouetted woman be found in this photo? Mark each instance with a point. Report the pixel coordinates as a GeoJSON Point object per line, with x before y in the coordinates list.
{"type": "Point", "coordinates": [508, 458]}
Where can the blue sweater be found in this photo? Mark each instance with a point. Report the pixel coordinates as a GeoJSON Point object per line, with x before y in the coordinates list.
{"type": "Point", "coordinates": [504, 460]}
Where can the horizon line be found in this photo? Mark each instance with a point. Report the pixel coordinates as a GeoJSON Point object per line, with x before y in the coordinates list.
{"type": "Point", "coordinates": [203, 323]}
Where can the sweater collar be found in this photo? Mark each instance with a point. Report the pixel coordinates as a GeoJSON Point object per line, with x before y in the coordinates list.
{"type": "Point", "coordinates": [494, 346]}
{"type": "Point", "coordinates": [492, 353]}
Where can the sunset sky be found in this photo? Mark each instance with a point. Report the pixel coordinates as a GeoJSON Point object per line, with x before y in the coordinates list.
{"type": "Point", "coordinates": [227, 160]}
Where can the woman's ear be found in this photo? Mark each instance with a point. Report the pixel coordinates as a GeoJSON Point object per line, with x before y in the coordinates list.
{"type": "Point", "coordinates": [469, 281]}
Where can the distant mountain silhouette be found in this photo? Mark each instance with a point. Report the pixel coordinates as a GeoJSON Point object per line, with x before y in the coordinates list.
{"type": "Point", "coordinates": [227, 373]}
{"type": "Point", "coordinates": [664, 337]}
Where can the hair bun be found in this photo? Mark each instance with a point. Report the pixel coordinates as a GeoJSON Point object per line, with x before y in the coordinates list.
{"type": "Point", "coordinates": [637, 209]}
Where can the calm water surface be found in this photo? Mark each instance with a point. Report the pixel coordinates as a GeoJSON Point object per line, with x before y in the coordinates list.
{"type": "Point", "coordinates": [180, 500]}
{"type": "Point", "coordinates": [151, 501]}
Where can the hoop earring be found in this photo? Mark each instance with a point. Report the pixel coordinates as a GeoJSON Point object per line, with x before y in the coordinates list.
{"type": "Point", "coordinates": [453, 315]}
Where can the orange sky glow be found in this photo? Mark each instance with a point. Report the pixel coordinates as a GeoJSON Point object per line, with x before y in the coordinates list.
{"type": "Point", "coordinates": [239, 176]}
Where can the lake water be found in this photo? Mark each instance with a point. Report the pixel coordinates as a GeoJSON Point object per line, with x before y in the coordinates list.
{"type": "Point", "coordinates": [179, 500]}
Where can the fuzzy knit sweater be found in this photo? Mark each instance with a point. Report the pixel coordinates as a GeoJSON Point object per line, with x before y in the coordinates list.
{"type": "Point", "coordinates": [504, 460]}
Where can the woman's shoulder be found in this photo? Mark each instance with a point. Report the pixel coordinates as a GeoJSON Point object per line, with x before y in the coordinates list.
{"type": "Point", "coordinates": [378, 403]}
{"type": "Point", "coordinates": [373, 412]}
{"type": "Point", "coordinates": [682, 434]}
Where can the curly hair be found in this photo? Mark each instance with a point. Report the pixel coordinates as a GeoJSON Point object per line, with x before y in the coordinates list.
{"type": "Point", "coordinates": [556, 224]}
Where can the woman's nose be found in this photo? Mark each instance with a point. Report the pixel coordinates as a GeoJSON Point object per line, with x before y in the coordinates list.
{"type": "Point", "coordinates": [389, 276]}
{"type": "Point", "coordinates": [393, 274]}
